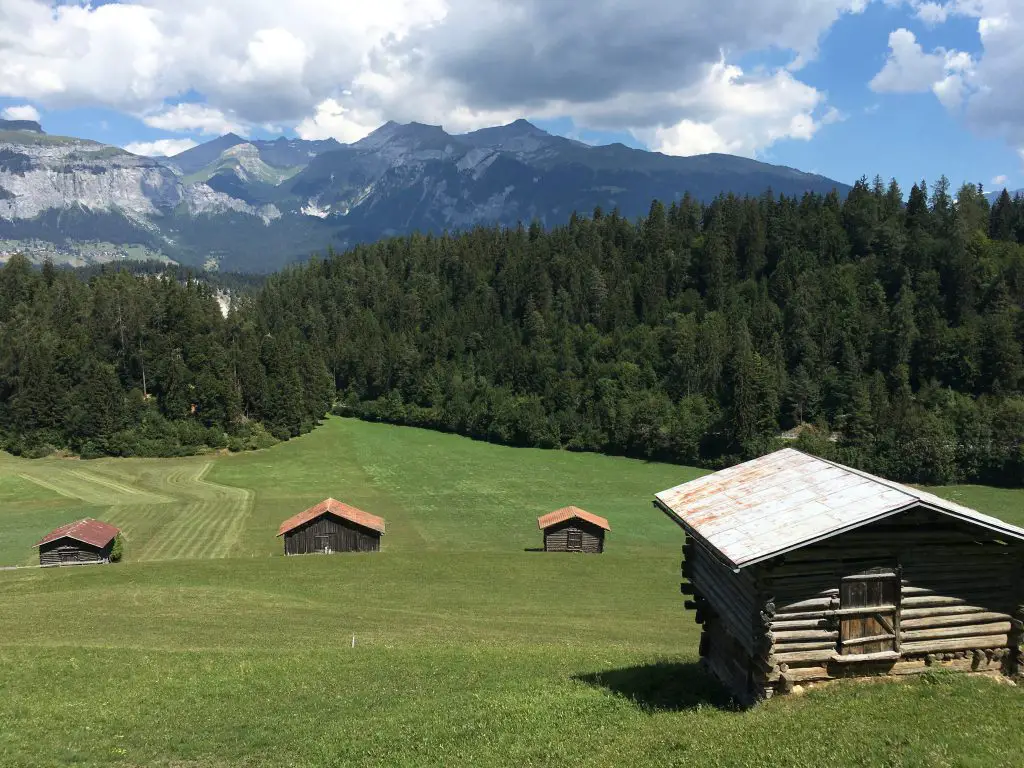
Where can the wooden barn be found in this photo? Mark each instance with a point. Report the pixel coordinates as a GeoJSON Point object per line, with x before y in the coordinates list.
{"type": "Point", "coordinates": [331, 526]}
{"type": "Point", "coordinates": [84, 541]}
{"type": "Point", "coordinates": [804, 570]}
{"type": "Point", "coordinates": [571, 529]}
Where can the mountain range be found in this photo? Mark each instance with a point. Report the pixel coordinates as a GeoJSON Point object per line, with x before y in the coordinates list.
{"type": "Point", "coordinates": [255, 205]}
{"type": "Point", "coordinates": [992, 197]}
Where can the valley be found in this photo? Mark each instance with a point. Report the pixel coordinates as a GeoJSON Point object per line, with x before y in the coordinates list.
{"type": "Point", "coordinates": [469, 649]}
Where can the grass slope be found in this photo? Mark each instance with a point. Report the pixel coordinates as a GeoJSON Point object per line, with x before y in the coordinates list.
{"type": "Point", "coordinates": [205, 649]}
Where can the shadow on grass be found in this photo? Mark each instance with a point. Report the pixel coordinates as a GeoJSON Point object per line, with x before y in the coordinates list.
{"type": "Point", "coordinates": [664, 687]}
{"type": "Point", "coordinates": [533, 549]}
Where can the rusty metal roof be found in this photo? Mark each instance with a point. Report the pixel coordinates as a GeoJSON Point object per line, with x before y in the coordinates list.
{"type": "Point", "coordinates": [568, 513]}
{"type": "Point", "coordinates": [336, 508]}
{"type": "Point", "coordinates": [788, 499]}
{"type": "Point", "coordinates": [88, 531]}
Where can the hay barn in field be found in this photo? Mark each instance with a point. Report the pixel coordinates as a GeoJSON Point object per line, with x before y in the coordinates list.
{"type": "Point", "coordinates": [331, 526]}
{"type": "Point", "coordinates": [804, 570]}
{"type": "Point", "coordinates": [84, 541]}
{"type": "Point", "coordinates": [571, 529]}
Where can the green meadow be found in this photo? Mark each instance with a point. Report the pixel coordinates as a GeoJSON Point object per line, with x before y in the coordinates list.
{"type": "Point", "coordinates": [458, 644]}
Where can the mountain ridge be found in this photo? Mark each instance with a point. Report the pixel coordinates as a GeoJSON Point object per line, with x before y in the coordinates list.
{"type": "Point", "coordinates": [256, 204]}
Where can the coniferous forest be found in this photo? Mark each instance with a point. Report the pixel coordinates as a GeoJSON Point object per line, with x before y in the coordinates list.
{"type": "Point", "coordinates": [885, 331]}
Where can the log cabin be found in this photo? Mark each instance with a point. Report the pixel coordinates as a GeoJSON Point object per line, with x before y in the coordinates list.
{"type": "Point", "coordinates": [802, 570]}
{"type": "Point", "coordinates": [84, 541]}
{"type": "Point", "coordinates": [331, 526]}
{"type": "Point", "coordinates": [571, 529]}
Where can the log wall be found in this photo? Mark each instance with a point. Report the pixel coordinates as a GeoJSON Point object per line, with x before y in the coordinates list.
{"type": "Point", "coordinates": [726, 604]}
{"type": "Point", "coordinates": [73, 552]}
{"type": "Point", "coordinates": [342, 536]}
{"type": "Point", "coordinates": [556, 538]}
{"type": "Point", "coordinates": [958, 592]}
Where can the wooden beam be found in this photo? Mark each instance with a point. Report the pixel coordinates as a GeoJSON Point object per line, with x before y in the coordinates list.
{"type": "Point", "coordinates": [975, 630]}
{"type": "Point", "coordinates": [939, 619]}
{"type": "Point", "coordinates": [804, 635]}
{"type": "Point", "coordinates": [912, 614]}
{"type": "Point", "coordinates": [957, 644]}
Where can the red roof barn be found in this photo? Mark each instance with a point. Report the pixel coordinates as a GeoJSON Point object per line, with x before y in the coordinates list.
{"type": "Point", "coordinates": [571, 529]}
{"type": "Point", "coordinates": [331, 526]}
{"type": "Point", "coordinates": [84, 541]}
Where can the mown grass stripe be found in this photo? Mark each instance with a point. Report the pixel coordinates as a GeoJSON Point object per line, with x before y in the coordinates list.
{"type": "Point", "coordinates": [70, 491]}
{"type": "Point", "coordinates": [49, 486]}
{"type": "Point", "coordinates": [137, 494]}
{"type": "Point", "coordinates": [181, 532]}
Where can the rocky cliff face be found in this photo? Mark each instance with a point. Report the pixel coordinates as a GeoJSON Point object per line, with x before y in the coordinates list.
{"type": "Point", "coordinates": [46, 173]}
{"type": "Point", "coordinates": [256, 205]}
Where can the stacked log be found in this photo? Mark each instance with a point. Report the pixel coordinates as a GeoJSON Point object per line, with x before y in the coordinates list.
{"type": "Point", "coordinates": [959, 605]}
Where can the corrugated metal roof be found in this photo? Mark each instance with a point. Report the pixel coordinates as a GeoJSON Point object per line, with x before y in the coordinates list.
{"type": "Point", "coordinates": [89, 531]}
{"type": "Point", "coordinates": [568, 513]}
{"type": "Point", "coordinates": [788, 499]}
{"type": "Point", "coordinates": [336, 508]}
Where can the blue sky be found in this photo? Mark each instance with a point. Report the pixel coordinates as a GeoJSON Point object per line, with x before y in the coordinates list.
{"type": "Point", "coordinates": [139, 75]}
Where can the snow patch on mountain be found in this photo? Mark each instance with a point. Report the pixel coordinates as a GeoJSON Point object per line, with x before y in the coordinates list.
{"type": "Point", "coordinates": [313, 208]}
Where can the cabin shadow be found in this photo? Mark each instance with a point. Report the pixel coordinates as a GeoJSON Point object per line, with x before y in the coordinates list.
{"type": "Point", "coordinates": [664, 687]}
{"type": "Point", "coordinates": [533, 549]}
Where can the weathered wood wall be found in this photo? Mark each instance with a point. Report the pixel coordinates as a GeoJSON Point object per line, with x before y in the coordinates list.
{"type": "Point", "coordinates": [71, 552]}
{"type": "Point", "coordinates": [556, 538]}
{"type": "Point", "coordinates": [726, 606]}
{"type": "Point", "coordinates": [957, 597]}
{"type": "Point", "coordinates": [342, 536]}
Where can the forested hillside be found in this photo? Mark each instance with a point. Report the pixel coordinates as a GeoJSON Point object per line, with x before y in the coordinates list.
{"type": "Point", "coordinates": [696, 335]}
{"type": "Point", "coordinates": [137, 364]}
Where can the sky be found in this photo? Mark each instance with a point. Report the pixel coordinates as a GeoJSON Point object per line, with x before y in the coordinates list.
{"type": "Point", "coordinates": [907, 89]}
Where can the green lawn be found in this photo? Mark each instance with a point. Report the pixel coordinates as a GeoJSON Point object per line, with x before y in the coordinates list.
{"type": "Point", "coordinates": [207, 649]}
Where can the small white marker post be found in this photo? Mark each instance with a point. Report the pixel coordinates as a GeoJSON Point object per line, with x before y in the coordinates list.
{"type": "Point", "coordinates": [353, 641]}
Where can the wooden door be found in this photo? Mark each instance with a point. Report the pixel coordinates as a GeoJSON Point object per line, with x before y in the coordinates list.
{"type": "Point", "coordinates": [869, 611]}
{"type": "Point", "coordinates": [68, 557]}
{"type": "Point", "coordinates": [322, 543]}
{"type": "Point", "coordinates": [574, 541]}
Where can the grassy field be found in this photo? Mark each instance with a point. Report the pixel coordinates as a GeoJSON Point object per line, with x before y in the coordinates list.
{"type": "Point", "coordinates": [206, 649]}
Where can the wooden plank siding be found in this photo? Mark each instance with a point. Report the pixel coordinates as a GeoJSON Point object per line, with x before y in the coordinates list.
{"type": "Point", "coordinates": [68, 551]}
{"type": "Point", "coordinates": [574, 536]}
{"type": "Point", "coordinates": [908, 593]}
{"type": "Point", "coordinates": [337, 534]}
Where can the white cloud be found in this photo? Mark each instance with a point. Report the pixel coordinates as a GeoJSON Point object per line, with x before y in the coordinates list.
{"type": "Point", "coordinates": [194, 118]}
{"type": "Point", "coordinates": [908, 69]}
{"type": "Point", "coordinates": [1000, 180]}
{"type": "Point", "coordinates": [932, 13]}
{"type": "Point", "coordinates": [20, 112]}
{"type": "Point", "coordinates": [160, 147]}
{"type": "Point", "coordinates": [332, 120]}
{"type": "Point", "coordinates": [740, 115]}
{"type": "Point", "coordinates": [833, 115]}
{"type": "Point", "coordinates": [339, 69]}
{"type": "Point", "coordinates": [984, 88]}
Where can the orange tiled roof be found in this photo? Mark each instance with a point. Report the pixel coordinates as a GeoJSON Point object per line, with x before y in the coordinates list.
{"type": "Point", "coordinates": [567, 513]}
{"type": "Point", "coordinates": [336, 508]}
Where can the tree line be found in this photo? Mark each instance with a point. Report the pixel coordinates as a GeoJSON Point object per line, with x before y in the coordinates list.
{"type": "Point", "coordinates": [144, 363]}
{"type": "Point", "coordinates": [883, 330]}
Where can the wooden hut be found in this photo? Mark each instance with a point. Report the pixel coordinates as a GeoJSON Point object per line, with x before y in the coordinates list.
{"type": "Point", "coordinates": [84, 541]}
{"type": "Point", "coordinates": [331, 526]}
{"type": "Point", "coordinates": [571, 529]}
{"type": "Point", "coordinates": [804, 570]}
